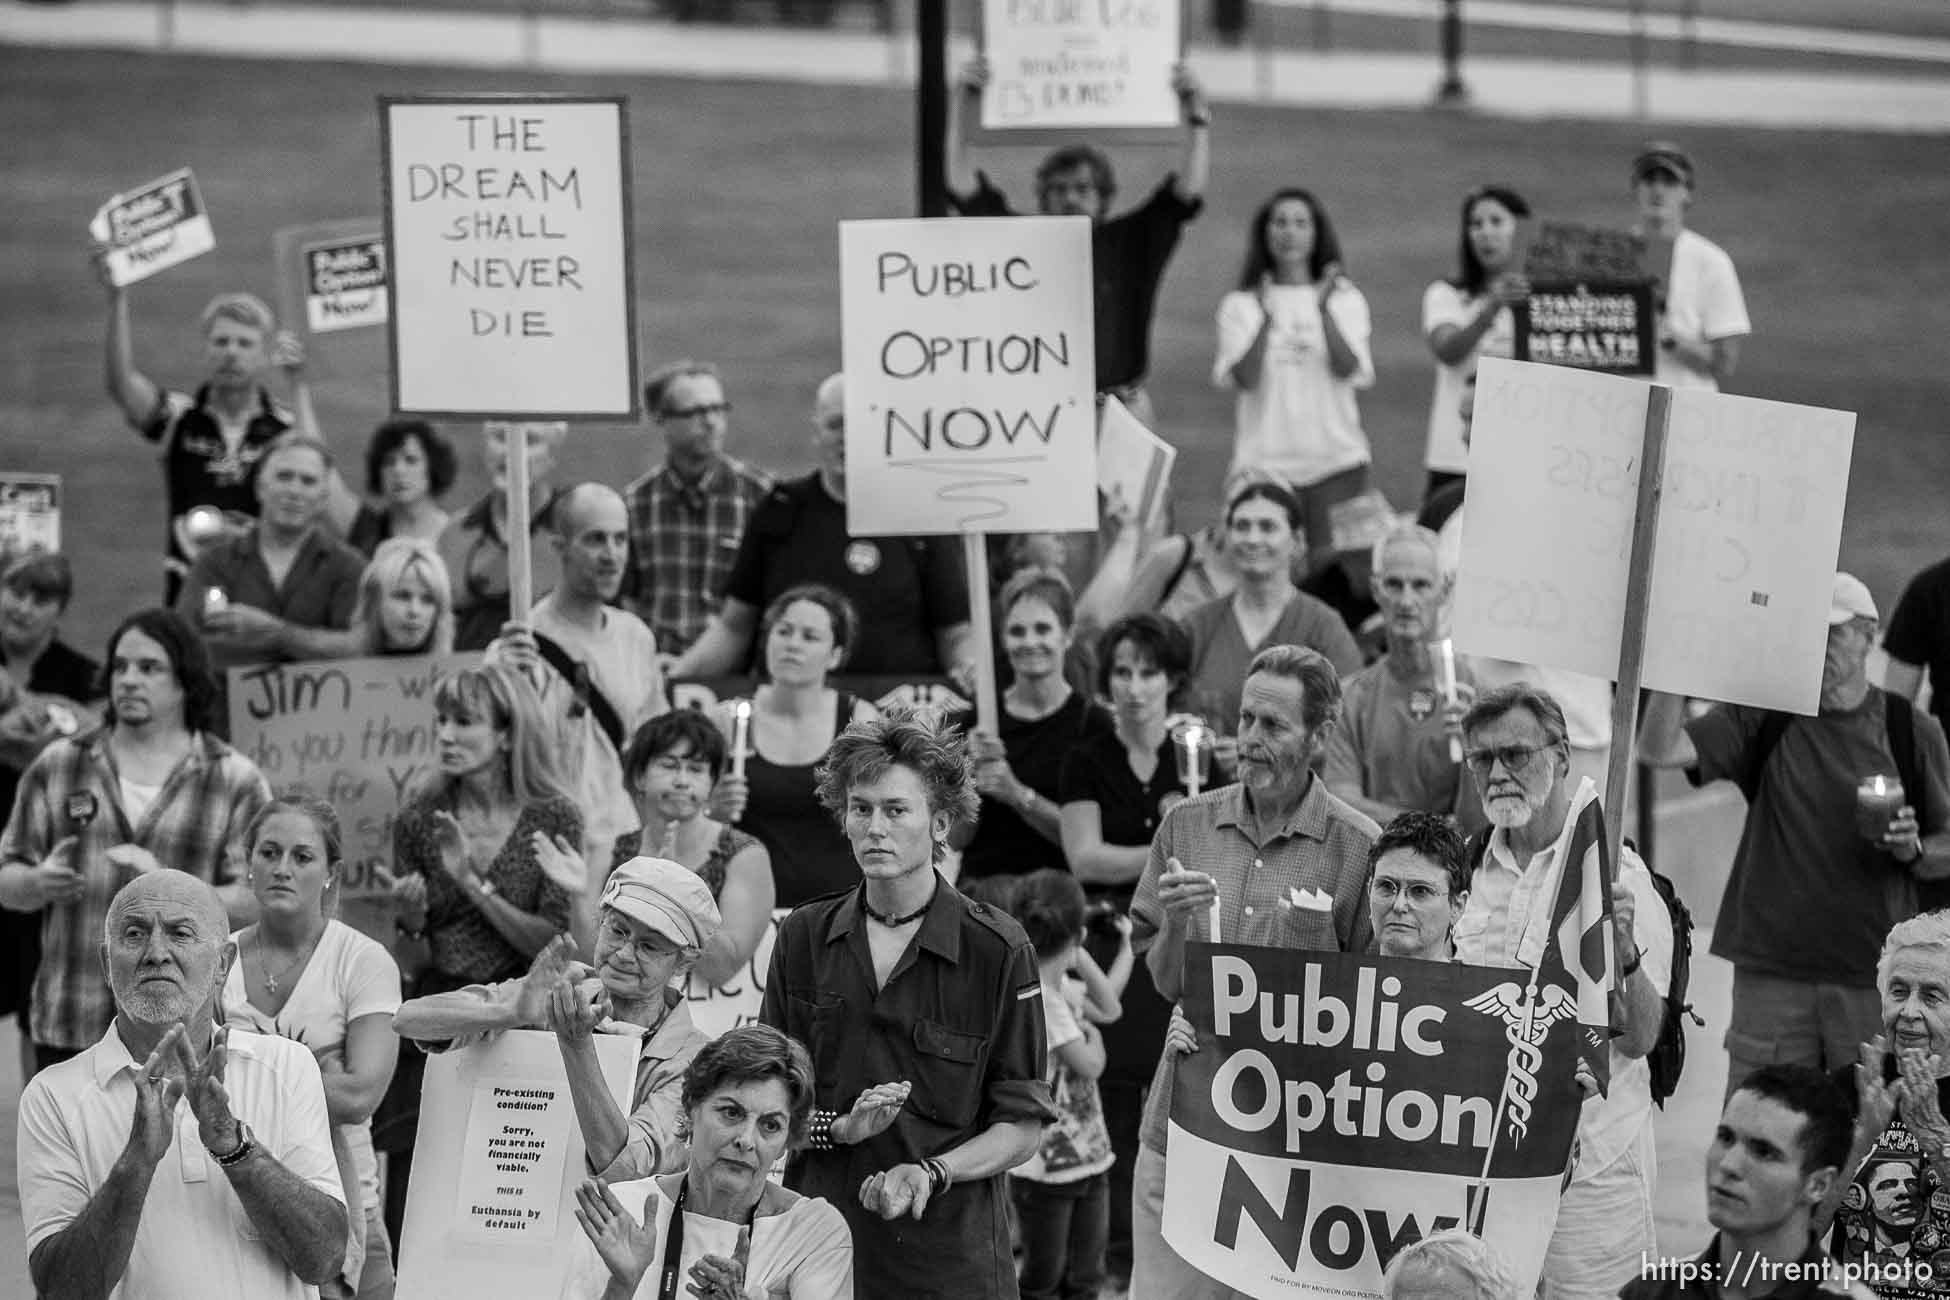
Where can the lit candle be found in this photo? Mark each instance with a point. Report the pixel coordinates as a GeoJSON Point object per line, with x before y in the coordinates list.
{"type": "Point", "coordinates": [1445, 657]}
{"type": "Point", "coordinates": [1193, 751]}
{"type": "Point", "coordinates": [741, 736]}
{"type": "Point", "coordinates": [1876, 802]}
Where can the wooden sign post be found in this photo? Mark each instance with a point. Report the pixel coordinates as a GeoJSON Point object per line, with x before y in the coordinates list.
{"type": "Point", "coordinates": [1638, 591]}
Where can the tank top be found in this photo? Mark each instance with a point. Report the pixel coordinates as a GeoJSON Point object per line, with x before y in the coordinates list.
{"type": "Point", "coordinates": [730, 843]}
{"type": "Point", "coordinates": [810, 854]}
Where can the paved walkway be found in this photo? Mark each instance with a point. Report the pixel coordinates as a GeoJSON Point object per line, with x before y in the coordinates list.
{"type": "Point", "coordinates": [1526, 88]}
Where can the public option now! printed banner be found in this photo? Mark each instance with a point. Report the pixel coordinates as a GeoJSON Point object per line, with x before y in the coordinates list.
{"type": "Point", "coordinates": [1341, 1107]}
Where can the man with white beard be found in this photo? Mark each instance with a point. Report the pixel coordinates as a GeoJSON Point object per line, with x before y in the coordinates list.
{"type": "Point", "coordinates": [249, 1202]}
{"type": "Point", "coordinates": [1515, 745]}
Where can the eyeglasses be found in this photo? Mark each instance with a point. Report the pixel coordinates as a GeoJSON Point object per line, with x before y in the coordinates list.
{"type": "Point", "coordinates": [693, 412]}
{"type": "Point", "coordinates": [1515, 758]}
{"type": "Point", "coordinates": [1420, 893]}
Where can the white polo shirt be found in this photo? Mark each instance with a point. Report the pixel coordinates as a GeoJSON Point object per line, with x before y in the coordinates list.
{"type": "Point", "coordinates": [1507, 923]}
{"type": "Point", "coordinates": [194, 1240]}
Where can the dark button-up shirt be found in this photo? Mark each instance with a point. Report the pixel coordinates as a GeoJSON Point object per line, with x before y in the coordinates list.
{"type": "Point", "coordinates": [319, 590]}
{"type": "Point", "coordinates": [961, 1018]}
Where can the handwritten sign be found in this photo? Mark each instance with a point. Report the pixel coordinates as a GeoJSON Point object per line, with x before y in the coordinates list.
{"type": "Point", "coordinates": [1744, 558]}
{"type": "Point", "coordinates": [970, 375]}
{"type": "Point", "coordinates": [30, 513]}
{"type": "Point", "coordinates": [737, 1001]}
{"type": "Point", "coordinates": [509, 224]}
{"type": "Point", "coordinates": [887, 693]}
{"type": "Point", "coordinates": [153, 227]}
{"type": "Point", "coordinates": [498, 1156]}
{"type": "Point", "coordinates": [1340, 1107]}
{"type": "Point", "coordinates": [1064, 65]}
{"type": "Point", "coordinates": [357, 733]}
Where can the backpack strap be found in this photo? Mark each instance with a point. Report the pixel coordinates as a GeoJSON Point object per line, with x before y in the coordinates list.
{"type": "Point", "coordinates": [1900, 716]}
{"type": "Point", "coordinates": [1772, 728]}
{"type": "Point", "coordinates": [587, 696]}
{"type": "Point", "coordinates": [1184, 563]}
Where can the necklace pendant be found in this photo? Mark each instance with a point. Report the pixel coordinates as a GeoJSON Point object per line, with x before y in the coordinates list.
{"type": "Point", "coordinates": [271, 984]}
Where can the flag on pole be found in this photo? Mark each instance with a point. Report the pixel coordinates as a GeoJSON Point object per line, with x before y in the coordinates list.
{"type": "Point", "coordinates": [1579, 949]}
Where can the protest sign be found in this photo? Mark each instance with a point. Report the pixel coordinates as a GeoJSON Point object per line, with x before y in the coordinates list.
{"type": "Point", "coordinates": [332, 275]}
{"type": "Point", "coordinates": [153, 227]}
{"type": "Point", "coordinates": [1744, 549]}
{"type": "Point", "coordinates": [969, 350]}
{"type": "Point", "coordinates": [1591, 304]}
{"type": "Point", "coordinates": [1133, 463]}
{"type": "Point", "coordinates": [491, 1206]}
{"type": "Point", "coordinates": [30, 513]}
{"type": "Point", "coordinates": [508, 225]}
{"type": "Point", "coordinates": [357, 733]}
{"type": "Point", "coordinates": [1342, 1106]}
{"type": "Point", "coordinates": [1057, 65]}
{"type": "Point", "coordinates": [738, 1000]}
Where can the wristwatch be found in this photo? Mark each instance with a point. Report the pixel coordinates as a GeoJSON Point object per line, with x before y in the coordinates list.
{"type": "Point", "coordinates": [246, 1143]}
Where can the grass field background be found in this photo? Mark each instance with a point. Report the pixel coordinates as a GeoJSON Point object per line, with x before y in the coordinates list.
{"type": "Point", "coordinates": [1839, 240]}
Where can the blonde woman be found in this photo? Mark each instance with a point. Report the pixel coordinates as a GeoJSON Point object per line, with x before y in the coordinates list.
{"type": "Point", "coordinates": [406, 603]}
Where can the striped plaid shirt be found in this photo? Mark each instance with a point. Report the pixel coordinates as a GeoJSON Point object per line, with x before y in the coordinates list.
{"type": "Point", "coordinates": [683, 538]}
{"type": "Point", "coordinates": [208, 799]}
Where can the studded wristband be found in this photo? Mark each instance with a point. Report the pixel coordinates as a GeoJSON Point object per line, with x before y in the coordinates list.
{"type": "Point", "coordinates": [819, 1131]}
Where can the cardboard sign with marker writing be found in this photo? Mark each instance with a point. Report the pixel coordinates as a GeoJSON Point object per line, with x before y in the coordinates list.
{"type": "Point", "coordinates": [970, 359]}
{"type": "Point", "coordinates": [1058, 65]}
{"type": "Point", "coordinates": [1745, 552]}
{"type": "Point", "coordinates": [508, 221]}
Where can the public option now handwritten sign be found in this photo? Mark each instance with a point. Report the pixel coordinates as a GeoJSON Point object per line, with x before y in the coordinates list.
{"type": "Point", "coordinates": [1064, 65]}
{"type": "Point", "coordinates": [970, 360]}
{"type": "Point", "coordinates": [1341, 1107]}
{"type": "Point", "coordinates": [509, 224]}
{"type": "Point", "coordinates": [1744, 562]}
{"type": "Point", "coordinates": [153, 227]}
{"type": "Point", "coordinates": [357, 733]}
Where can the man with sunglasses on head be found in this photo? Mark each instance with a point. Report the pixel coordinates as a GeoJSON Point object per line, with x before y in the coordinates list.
{"type": "Point", "coordinates": [688, 515]}
{"type": "Point", "coordinates": [1401, 717]}
{"type": "Point", "coordinates": [1515, 745]}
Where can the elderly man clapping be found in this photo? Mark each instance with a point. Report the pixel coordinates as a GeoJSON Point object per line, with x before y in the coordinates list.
{"type": "Point", "coordinates": [249, 1203]}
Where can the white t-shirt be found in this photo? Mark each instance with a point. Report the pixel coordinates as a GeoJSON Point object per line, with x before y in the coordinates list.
{"type": "Point", "coordinates": [349, 976]}
{"type": "Point", "coordinates": [194, 1240]}
{"type": "Point", "coordinates": [1703, 303]}
{"type": "Point", "coordinates": [1300, 422]}
{"type": "Point", "coordinates": [137, 800]}
{"type": "Point", "coordinates": [622, 661]}
{"type": "Point", "coordinates": [1444, 304]}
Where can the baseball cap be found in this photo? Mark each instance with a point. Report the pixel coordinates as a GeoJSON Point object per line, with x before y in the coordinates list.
{"type": "Point", "coordinates": [1663, 156]}
{"type": "Point", "coordinates": [1851, 600]}
{"type": "Point", "coordinates": [667, 896]}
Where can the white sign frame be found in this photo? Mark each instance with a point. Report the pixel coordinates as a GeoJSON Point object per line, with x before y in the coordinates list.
{"type": "Point", "coordinates": [545, 355]}
{"type": "Point", "coordinates": [969, 409]}
{"type": "Point", "coordinates": [1744, 554]}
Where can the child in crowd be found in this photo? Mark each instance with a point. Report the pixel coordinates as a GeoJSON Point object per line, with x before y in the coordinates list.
{"type": "Point", "coordinates": [1062, 1195]}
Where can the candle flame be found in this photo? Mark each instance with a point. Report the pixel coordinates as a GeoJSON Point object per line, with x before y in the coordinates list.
{"type": "Point", "coordinates": [742, 710]}
{"type": "Point", "coordinates": [1882, 787]}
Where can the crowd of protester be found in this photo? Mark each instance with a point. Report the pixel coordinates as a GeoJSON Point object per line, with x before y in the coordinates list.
{"type": "Point", "coordinates": [972, 1082]}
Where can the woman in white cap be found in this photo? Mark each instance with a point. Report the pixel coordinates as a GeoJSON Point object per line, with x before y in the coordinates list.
{"type": "Point", "coordinates": [655, 916]}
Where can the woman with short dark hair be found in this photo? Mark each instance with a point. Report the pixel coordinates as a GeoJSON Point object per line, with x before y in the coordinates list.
{"type": "Point", "coordinates": [409, 467]}
{"type": "Point", "coordinates": [747, 1098]}
{"type": "Point", "coordinates": [671, 766]}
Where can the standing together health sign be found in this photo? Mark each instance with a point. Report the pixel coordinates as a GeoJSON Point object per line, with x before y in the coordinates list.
{"type": "Point", "coordinates": [508, 220]}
